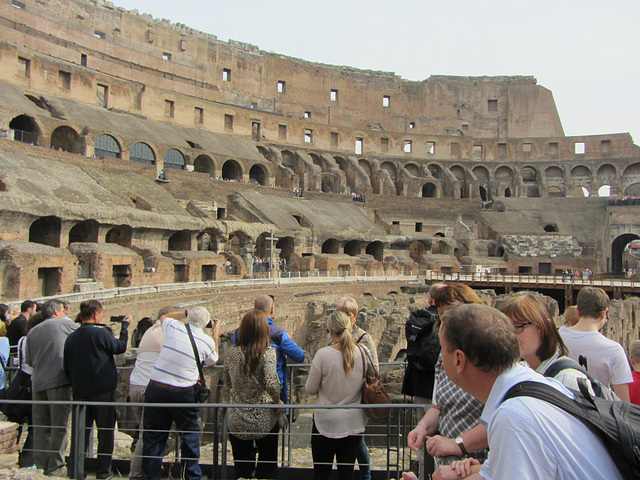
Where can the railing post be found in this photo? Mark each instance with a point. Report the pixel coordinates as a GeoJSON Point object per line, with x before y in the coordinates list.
{"type": "Point", "coordinates": [76, 453]}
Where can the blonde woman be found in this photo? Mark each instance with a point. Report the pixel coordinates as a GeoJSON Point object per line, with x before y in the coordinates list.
{"type": "Point", "coordinates": [350, 307]}
{"type": "Point", "coordinates": [336, 377]}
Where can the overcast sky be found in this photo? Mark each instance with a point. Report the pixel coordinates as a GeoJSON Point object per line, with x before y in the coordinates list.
{"type": "Point", "coordinates": [586, 52]}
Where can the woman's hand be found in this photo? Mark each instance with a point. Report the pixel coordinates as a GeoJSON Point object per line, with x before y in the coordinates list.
{"type": "Point", "coordinates": [279, 411]}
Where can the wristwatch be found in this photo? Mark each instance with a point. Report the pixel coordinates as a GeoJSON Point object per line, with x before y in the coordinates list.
{"type": "Point", "coordinates": [460, 443]}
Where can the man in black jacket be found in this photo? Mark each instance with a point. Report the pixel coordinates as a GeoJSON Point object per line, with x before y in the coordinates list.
{"type": "Point", "coordinates": [89, 363]}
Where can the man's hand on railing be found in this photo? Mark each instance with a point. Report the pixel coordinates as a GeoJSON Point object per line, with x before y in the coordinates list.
{"type": "Point", "coordinates": [439, 446]}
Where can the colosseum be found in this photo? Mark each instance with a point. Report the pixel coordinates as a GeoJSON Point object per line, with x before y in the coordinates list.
{"type": "Point", "coordinates": [138, 152]}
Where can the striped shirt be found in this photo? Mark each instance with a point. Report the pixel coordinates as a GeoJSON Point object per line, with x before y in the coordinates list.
{"type": "Point", "coordinates": [176, 363]}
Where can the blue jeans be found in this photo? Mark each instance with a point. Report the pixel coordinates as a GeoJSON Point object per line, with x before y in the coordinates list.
{"type": "Point", "coordinates": [364, 461]}
{"type": "Point", "coordinates": [157, 423]}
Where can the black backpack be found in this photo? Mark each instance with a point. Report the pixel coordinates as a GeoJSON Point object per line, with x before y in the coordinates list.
{"type": "Point", "coordinates": [423, 344]}
{"type": "Point", "coordinates": [563, 363]}
{"type": "Point", "coordinates": [617, 423]}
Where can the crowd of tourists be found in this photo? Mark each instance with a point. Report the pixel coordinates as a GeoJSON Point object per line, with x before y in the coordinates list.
{"type": "Point", "coordinates": [622, 201]}
{"type": "Point", "coordinates": [463, 359]}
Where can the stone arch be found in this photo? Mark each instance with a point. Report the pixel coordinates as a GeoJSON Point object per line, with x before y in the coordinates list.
{"type": "Point", "coordinates": [237, 240]}
{"type": "Point", "coordinates": [366, 166]}
{"type": "Point", "coordinates": [429, 190]}
{"type": "Point", "coordinates": [328, 184]}
{"type": "Point", "coordinates": [120, 235]}
{"type": "Point", "coordinates": [481, 173]}
{"type": "Point", "coordinates": [175, 159]}
{"type": "Point", "coordinates": [289, 159]}
{"type": "Point", "coordinates": [258, 174]}
{"type": "Point", "coordinates": [606, 172]}
{"type": "Point", "coordinates": [46, 231]}
{"type": "Point", "coordinates": [500, 251]}
{"type": "Point", "coordinates": [604, 191]}
{"type": "Point", "coordinates": [319, 161]}
{"type": "Point", "coordinates": [529, 176]}
{"type": "Point", "coordinates": [353, 248]}
{"type": "Point", "coordinates": [458, 172]}
{"type": "Point", "coordinates": [330, 246]}
{"type": "Point", "coordinates": [107, 146]}
{"type": "Point", "coordinates": [441, 248]}
{"type": "Point", "coordinates": [68, 140]}
{"type": "Point", "coordinates": [412, 169]}
{"type": "Point", "coordinates": [180, 241]}
{"type": "Point", "coordinates": [633, 169]}
{"type": "Point", "coordinates": [507, 192]}
{"type": "Point", "coordinates": [204, 164]}
{"type": "Point", "coordinates": [553, 172]}
{"type": "Point", "coordinates": [440, 234]}
{"type": "Point", "coordinates": [341, 162]}
{"type": "Point", "coordinates": [25, 129]}
{"type": "Point", "coordinates": [435, 170]}
{"type": "Point", "coordinates": [633, 190]}
{"type": "Point", "coordinates": [142, 153]}
{"type": "Point", "coordinates": [84, 232]}
{"type": "Point", "coordinates": [504, 174]}
{"type": "Point", "coordinates": [391, 168]}
{"type": "Point", "coordinates": [264, 152]}
{"type": "Point", "coordinates": [580, 171]}
{"type": "Point", "coordinates": [417, 249]}
{"type": "Point", "coordinates": [483, 193]}
{"type": "Point", "coordinates": [617, 250]}
{"type": "Point", "coordinates": [555, 192]}
{"type": "Point", "coordinates": [231, 170]}
{"type": "Point", "coordinates": [286, 246]}
{"type": "Point", "coordinates": [376, 250]}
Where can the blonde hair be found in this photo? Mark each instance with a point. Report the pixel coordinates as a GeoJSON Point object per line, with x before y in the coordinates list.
{"type": "Point", "coordinates": [349, 306]}
{"type": "Point", "coordinates": [570, 316]}
{"type": "Point", "coordinates": [339, 324]}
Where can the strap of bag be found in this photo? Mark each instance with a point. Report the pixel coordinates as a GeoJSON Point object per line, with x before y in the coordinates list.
{"type": "Point", "coordinates": [196, 354]}
{"type": "Point", "coordinates": [361, 337]}
{"type": "Point", "coordinates": [563, 364]}
{"type": "Point", "coordinates": [364, 367]}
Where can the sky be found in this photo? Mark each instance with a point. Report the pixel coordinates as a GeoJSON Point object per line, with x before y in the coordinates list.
{"type": "Point", "coordinates": [586, 52]}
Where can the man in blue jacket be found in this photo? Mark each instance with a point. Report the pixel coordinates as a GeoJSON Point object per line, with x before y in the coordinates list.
{"type": "Point", "coordinates": [285, 347]}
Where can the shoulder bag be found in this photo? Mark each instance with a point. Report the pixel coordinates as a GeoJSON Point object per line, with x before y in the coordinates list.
{"type": "Point", "coordinates": [373, 391]}
{"type": "Point", "coordinates": [200, 389]}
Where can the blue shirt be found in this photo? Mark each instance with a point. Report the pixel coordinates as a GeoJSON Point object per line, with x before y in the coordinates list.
{"type": "Point", "coordinates": [285, 347]}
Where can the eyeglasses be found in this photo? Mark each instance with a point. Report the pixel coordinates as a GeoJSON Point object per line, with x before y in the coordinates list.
{"type": "Point", "coordinates": [519, 327]}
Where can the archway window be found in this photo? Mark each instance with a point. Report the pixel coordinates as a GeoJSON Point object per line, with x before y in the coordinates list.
{"type": "Point", "coordinates": [142, 153]}
{"type": "Point", "coordinates": [604, 191]}
{"type": "Point", "coordinates": [174, 159]}
{"type": "Point", "coordinates": [107, 146]}
{"type": "Point", "coordinates": [376, 249]}
{"type": "Point", "coordinates": [429, 190]}
{"type": "Point", "coordinates": [330, 246]}
{"type": "Point", "coordinates": [257, 175]}
{"type": "Point", "coordinates": [619, 252]}
{"type": "Point", "coordinates": [204, 164]}
{"type": "Point", "coordinates": [25, 130]}
{"type": "Point", "coordinates": [231, 170]}
{"type": "Point", "coordinates": [84, 232]}
{"type": "Point", "coordinates": [352, 248]}
{"type": "Point", "coordinates": [67, 139]}
{"type": "Point", "coordinates": [180, 241]}
{"type": "Point", "coordinates": [46, 231]}
{"type": "Point", "coordinates": [120, 235]}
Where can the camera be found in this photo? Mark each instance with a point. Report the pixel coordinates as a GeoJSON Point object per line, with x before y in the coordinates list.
{"type": "Point", "coordinates": [117, 318]}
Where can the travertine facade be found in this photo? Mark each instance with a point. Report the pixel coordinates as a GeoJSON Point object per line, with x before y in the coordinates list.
{"type": "Point", "coordinates": [160, 154]}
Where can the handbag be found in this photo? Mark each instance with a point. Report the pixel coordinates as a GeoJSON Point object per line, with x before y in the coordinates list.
{"type": "Point", "coordinates": [373, 391]}
{"type": "Point", "coordinates": [19, 389]}
{"type": "Point", "coordinates": [200, 389]}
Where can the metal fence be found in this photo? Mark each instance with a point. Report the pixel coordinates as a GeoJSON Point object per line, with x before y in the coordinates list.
{"type": "Point", "coordinates": [386, 438]}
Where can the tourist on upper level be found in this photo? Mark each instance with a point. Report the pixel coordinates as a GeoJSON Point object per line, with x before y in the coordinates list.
{"type": "Point", "coordinates": [529, 438]}
{"type": "Point", "coordinates": [171, 381]}
{"type": "Point", "coordinates": [45, 352]}
{"type": "Point", "coordinates": [634, 359]}
{"type": "Point", "coordinates": [606, 359]}
{"type": "Point", "coordinates": [336, 376]}
{"type": "Point", "coordinates": [350, 307]}
{"type": "Point", "coordinates": [91, 367]}
{"type": "Point", "coordinates": [251, 377]}
{"type": "Point", "coordinates": [454, 414]}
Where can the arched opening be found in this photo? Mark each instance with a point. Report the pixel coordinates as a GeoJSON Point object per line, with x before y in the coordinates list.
{"type": "Point", "coordinates": [262, 245]}
{"type": "Point", "coordinates": [606, 173]}
{"type": "Point", "coordinates": [482, 174]}
{"type": "Point", "coordinates": [341, 162]}
{"type": "Point", "coordinates": [483, 193]}
{"type": "Point", "coordinates": [429, 190]}
{"type": "Point", "coordinates": [180, 241]}
{"type": "Point", "coordinates": [46, 231]}
{"type": "Point", "coordinates": [142, 153]}
{"type": "Point", "coordinates": [440, 234]}
{"type": "Point", "coordinates": [633, 190]}
{"type": "Point", "coordinates": [84, 232]}
{"type": "Point", "coordinates": [174, 159]}
{"type": "Point", "coordinates": [204, 164]}
{"type": "Point", "coordinates": [231, 170]}
{"type": "Point", "coordinates": [264, 152]}
{"type": "Point", "coordinates": [555, 192]}
{"type": "Point", "coordinates": [317, 160]}
{"type": "Point", "coordinates": [500, 252]}
{"type": "Point", "coordinates": [441, 248]}
{"type": "Point", "coordinates": [107, 146]}
{"type": "Point", "coordinates": [120, 235]}
{"type": "Point", "coordinates": [491, 250]}
{"type": "Point", "coordinates": [237, 240]}
{"type": "Point", "coordinates": [604, 191]}
{"type": "Point", "coordinates": [67, 139]}
{"type": "Point", "coordinates": [258, 175]}
{"type": "Point", "coordinates": [412, 169]}
{"type": "Point", "coordinates": [507, 192]}
{"type": "Point", "coordinates": [551, 227]}
{"type": "Point", "coordinates": [391, 168]}
{"type": "Point", "coordinates": [618, 247]}
{"type": "Point", "coordinates": [366, 166]}
{"type": "Point", "coordinates": [352, 248]}
{"type": "Point", "coordinates": [416, 251]}
{"type": "Point", "coordinates": [330, 246]}
{"type": "Point", "coordinates": [25, 130]}
{"type": "Point", "coordinates": [328, 184]}
{"type": "Point", "coordinates": [285, 244]}
{"type": "Point", "coordinates": [376, 250]}
{"type": "Point", "coordinates": [435, 170]}
{"type": "Point", "coordinates": [208, 240]}
{"type": "Point", "coordinates": [289, 159]}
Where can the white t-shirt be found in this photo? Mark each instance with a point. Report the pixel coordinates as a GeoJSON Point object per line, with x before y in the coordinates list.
{"type": "Point", "coordinates": [606, 359]}
{"type": "Point", "coordinates": [148, 351]}
{"type": "Point", "coordinates": [530, 439]}
{"type": "Point", "coordinates": [176, 364]}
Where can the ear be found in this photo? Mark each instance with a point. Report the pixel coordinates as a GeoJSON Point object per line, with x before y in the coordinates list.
{"type": "Point", "coordinates": [603, 315]}
{"type": "Point", "coordinates": [460, 361]}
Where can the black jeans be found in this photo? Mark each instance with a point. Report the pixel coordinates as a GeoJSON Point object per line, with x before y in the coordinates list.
{"type": "Point", "coordinates": [105, 418]}
{"type": "Point", "coordinates": [323, 449]}
{"type": "Point", "coordinates": [244, 455]}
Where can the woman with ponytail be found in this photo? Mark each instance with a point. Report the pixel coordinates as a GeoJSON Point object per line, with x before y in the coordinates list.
{"type": "Point", "coordinates": [336, 377]}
